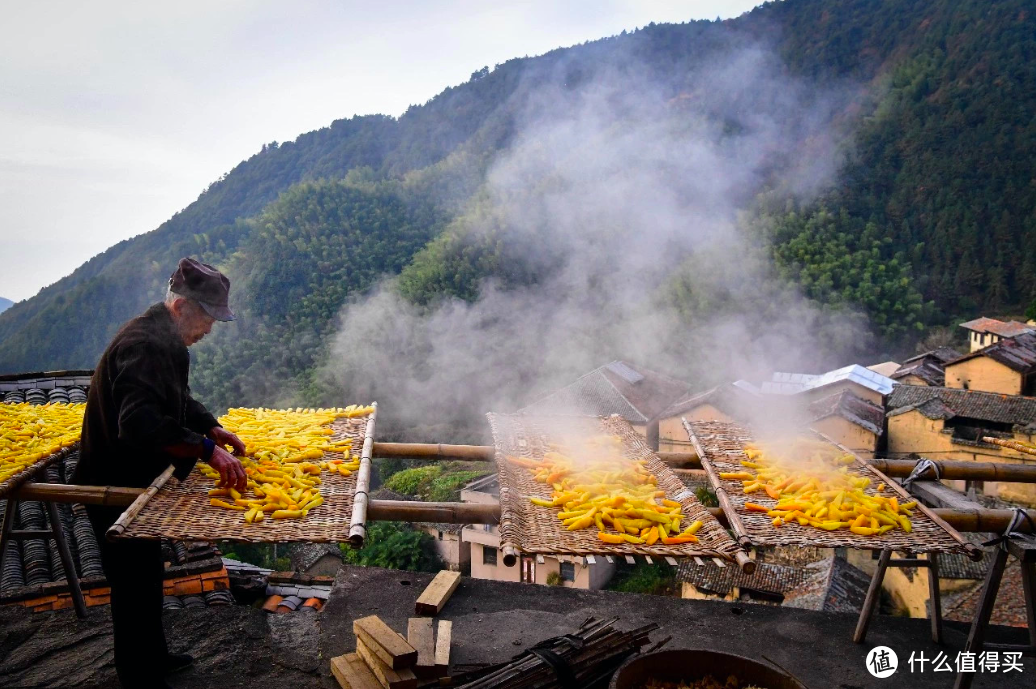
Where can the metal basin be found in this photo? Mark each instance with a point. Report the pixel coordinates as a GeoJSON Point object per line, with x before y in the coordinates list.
{"type": "Point", "coordinates": [688, 665]}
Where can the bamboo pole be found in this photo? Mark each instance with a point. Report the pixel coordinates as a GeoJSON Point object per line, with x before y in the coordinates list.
{"type": "Point", "coordinates": [123, 522]}
{"type": "Point", "coordinates": [1011, 444]}
{"type": "Point", "coordinates": [110, 496]}
{"type": "Point", "coordinates": [485, 453]}
{"type": "Point", "coordinates": [444, 512]}
{"type": "Point", "coordinates": [358, 521]}
{"type": "Point", "coordinates": [960, 470]}
{"type": "Point", "coordinates": [431, 451]}
{"type": "Point", "coordinates": [721, 494]}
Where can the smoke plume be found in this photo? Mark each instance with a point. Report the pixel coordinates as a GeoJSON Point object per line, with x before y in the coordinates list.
{"type": "Point", "coordinates": [626, 196]}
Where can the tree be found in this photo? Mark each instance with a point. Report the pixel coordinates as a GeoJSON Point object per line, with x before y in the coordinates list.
{"type": "Point", "coordinates": [395, 545]}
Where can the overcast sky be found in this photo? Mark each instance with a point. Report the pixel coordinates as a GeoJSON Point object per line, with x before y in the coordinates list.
{"type": "Point", "coordinates": [115, 115]}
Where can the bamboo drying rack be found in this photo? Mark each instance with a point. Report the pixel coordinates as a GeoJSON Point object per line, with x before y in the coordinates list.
{"type": "Point", "coordinates": [532, 529]}
{"type": "Point", "coordinates": [182, 511]}
{"type": "Point", "coordinates": [12, 483]}
{"type": "Point", "coordinates": [930, 534]}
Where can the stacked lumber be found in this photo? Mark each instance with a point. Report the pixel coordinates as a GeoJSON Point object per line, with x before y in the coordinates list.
{"type": "Point", "coordinates": [385, 659]}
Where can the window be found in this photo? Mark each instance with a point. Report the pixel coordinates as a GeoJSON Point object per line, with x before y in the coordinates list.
{"type": "Point", "coordinates": [488, 556]}
{"type": "Point", "coordinates": [567, 570]}
{"type": "Point", "coordinates": [440, 535]}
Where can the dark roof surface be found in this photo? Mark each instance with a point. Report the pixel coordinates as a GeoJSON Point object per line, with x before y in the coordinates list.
{"type": "Point", "coordinates": [40, 388]}
{"type": "Point", "coordinates": [305, 555]}
{"type": "Point", "coordinates": [946, 403]}
{"type": "Point", "coordinates": [846, 405]}
{"type": "Point", "coordinates": [767, 577]}
{"type": "Point", "coordinates": [1001, 328]}
{"type": "Point", "coordinates": [833, 585]}
{"type": "Point", "coordinates": [1009, 608]}
{"type": "Point", "coordinates": [729, 398]}
{"type": "Point", "coordinates": [929, 366]}
{"type": "Point", "coordinates": [635, 393]}
{"type": "Point", "coordinates": [1016, 353]}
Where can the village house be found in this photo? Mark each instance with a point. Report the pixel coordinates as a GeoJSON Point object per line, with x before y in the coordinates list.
{"type": "Point", "coordinates": [862, 382]}
{"type": "Point", "coordinates": [983, 332]}
{"type": "Point", "coordinates": [949, 423]}
{"type": "Point", "coordinates": [731, 402]}
{"type": "Point", "coordinates": [1008, 367]}
{"type": "Point", "coordinates": [850, 421]}
{"type": "Point", "coordinates": [487, 561]}
{"type": "Point", "coordinates": [925, 369]}
{"type": "Point", "coordinates": [843, 416]}
{"type": "Point", "coordinates": [635, 393]}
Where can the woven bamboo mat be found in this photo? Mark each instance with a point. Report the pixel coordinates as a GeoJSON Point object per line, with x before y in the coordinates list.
{"type": "Point", "coordinates": [12, 483]}
{"type": "Point", "coordinates": [181, 511]}
{"type": "Point", "coordinates": [721, 448]}
{"type": "Point", "coordinates": [534, 529]}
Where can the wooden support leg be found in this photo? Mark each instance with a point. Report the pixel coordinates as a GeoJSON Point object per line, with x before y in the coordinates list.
{"type": "Point", "coordinates": [66, 561]}
{"type": "Point", "coordinates": [934, 599]}
{"type": "Point", "coordinates": [873, 595]}
{"type": "Point", "coordinates": [977, 635]}
{"type": "Point", "coordinates": [1029, 586]}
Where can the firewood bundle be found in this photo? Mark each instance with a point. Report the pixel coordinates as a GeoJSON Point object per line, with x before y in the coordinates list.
{"type": "Point", "coordinates": [582, 659]}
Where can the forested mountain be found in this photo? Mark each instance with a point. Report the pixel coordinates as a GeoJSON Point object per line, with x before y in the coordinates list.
{"type": "Point", "coordinates": [925, 209]}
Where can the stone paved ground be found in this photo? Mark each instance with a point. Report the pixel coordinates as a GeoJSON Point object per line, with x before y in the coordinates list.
{"type": "Point", "coordinates": [245, 647]}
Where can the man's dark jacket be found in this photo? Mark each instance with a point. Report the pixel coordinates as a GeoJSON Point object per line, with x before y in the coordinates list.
{"type": "Point", "coordinates": [138, 403]}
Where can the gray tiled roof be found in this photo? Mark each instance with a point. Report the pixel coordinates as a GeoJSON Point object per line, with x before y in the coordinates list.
{"type": "Point", "coordinates": [767, 577]}
{"type": "Point", "coordinates": [730, 398]}
{"type": "Point", "coordinates": [1001, 328]}
{"type": "Point", "coordinates": [846, 405]}
{"type": "Point", "coordinates": [833, 585]}
{"type": "Point", "coordinates": [39, 388]}
{"type": "Point", "coordinates": [945, 403]}
{"type": "Point", "coordinates": [1016, 353]}
{"type": "Point", "coordinates": [635, 393]}
{"type": "Point", "coordinates": [929, 367]}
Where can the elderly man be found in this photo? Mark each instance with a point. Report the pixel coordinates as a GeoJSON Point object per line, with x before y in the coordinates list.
{"type": "Point", "coordinates": [140, 418]}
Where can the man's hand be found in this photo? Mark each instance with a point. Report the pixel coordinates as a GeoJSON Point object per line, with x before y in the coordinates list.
{"type": "Point", "coordinates": [222, 437]}
{"type": "Point", "coordinates": [231, 473]}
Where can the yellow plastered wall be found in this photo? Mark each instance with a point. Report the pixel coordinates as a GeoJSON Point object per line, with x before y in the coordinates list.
{"type": "Point", "coordinates": [672, 436]}
{"type": "Point", "coordinates": [983, 373]}
{"type": "Point", "coordinates": [911, 380]}
{"type": "Point", "coordinates": [845, 432]}
{"type": "Point", "coordinates": [913, 433]}
{"type": "Point", "coordinates": [497, 572]}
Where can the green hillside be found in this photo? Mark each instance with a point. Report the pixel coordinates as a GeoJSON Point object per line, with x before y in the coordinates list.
{"type": "Point", "coordinates": [929, 212]}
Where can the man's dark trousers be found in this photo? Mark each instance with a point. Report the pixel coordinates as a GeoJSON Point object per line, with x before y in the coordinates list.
{"type": "Point", "coordinates": [134, 571]}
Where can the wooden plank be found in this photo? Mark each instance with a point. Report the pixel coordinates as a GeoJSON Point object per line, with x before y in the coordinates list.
{"type": "Point", "coordinates": [442, 647]}
{"type": "Point", "coordinates": [672, 561]}
{"type": "Point", "coordinates": [630, 560]}
{"type": "Point", "coordinates": [434, 597]}
{"type": "Point", "coordinates": [647, 558]}
{"type": "Point", "coordinates": [402, 678]}
{"type": "Point", "coordinates": [591, 559]}
{"type": "Point", "coordinates": [718, 562]}
{"type": "Point", "coordinates": [610, 559]}
{"type": "Point", "coordinates": [352, 673]}
{"type": "Point", "coordinates": [421, 635]}
{"type": "Point", "coordinates": [698, 561]}
{"type": "Point", "coordinates": [382, 640]}
{"type": "Point", "coordinates": [539, 559]}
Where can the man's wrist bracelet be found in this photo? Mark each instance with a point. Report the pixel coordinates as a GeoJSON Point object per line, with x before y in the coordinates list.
{"type": "Point", "coordinates": [207, 447]}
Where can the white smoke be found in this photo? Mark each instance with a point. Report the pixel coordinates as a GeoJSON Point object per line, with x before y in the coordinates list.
{"type": "Point", "coordinates": [608, 191]}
